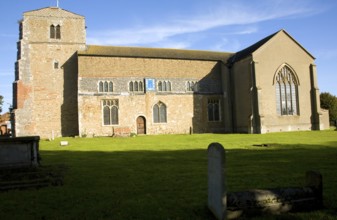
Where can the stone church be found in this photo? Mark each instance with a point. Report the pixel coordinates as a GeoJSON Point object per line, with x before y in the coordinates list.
{"type": "Point", "coordinates": [64, 87]}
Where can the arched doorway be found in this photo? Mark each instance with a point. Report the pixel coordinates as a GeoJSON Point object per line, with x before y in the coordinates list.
{"type": "Point", "coordinates": [141, 125]}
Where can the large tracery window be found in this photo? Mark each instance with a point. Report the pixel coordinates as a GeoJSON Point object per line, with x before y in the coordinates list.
{"type": "Point", "coordinates": [286, 84]}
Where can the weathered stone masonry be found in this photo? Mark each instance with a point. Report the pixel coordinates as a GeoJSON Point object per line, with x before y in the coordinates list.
{"type": "Point", "coordinates": [62, 86]}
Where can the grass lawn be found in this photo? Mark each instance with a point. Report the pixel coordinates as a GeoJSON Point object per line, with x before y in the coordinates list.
{"type": "Point", "coordinates": [165, 176]}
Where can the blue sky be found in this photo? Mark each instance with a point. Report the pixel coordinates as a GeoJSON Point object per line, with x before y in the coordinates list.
{"type": "Point", "coordinates": [218, 25]}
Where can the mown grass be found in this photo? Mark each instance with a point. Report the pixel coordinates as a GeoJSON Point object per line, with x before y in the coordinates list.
{"type": "Point", "coordinates": [165, 176]}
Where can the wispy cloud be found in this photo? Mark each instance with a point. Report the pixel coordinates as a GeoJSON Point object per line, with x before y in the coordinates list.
{"type": "Point", "coordinates": [225, 14]}
{"type": "Point", "coordinates": [227, 45]}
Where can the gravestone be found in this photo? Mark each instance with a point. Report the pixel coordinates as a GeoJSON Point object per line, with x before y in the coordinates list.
{"type": "Point", "coordinates": [257, 201]}
{"type": "Point", "coordinates": [19, 152]}
{"type": "Point", "coordinates": [216, 180]}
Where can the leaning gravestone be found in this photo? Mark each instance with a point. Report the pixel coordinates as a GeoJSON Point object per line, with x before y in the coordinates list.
{"type": "Point", "coordinates": [216, 181]}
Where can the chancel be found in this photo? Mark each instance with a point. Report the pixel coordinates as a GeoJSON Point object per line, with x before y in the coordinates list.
{"type": "Point", "coordinates": [65, 87]}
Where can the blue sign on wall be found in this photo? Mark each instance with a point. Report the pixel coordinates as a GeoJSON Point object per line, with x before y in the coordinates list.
{"type": "Point", "coordinates": [150, 85]}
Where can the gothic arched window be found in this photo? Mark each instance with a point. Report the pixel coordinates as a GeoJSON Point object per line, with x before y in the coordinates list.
{"type": "Point", "coordinates": [100, 86]}
{"type": "Point", "coordinates": [131, 86]}
{"type": "Point", "coordinates": [110, 112]}
{"type": "Point", "coordinates": [141, 87]}
{"type": "Point", "coordinates": [159, 113]}
{"type": "Point", "coordinates": [52, 31]}
{"type": "Point", "coordinates": [160, 86]}
{"type": "Point", "coordinates": [58, 32]}
{"type": "Point", "coordinates": [286, 89]}
{"type": "Point", "coordinates": [105, 86]}
{"type": "Point", "coordinates": [110, 87]}
{"type": "Point", "coordinates": [136, 86]}
{"type": "Point", "coordinates": [168, 87]}
{"type": "Point", "coordinates": [213, 108]}
{"type": "Point", "coordinates": [55, 32]}
{"type": "Point", "coordinates": [164, 86]}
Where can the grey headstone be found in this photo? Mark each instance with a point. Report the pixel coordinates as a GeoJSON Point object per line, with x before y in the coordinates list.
{"type": "Point", "coordinates": [216, 180]}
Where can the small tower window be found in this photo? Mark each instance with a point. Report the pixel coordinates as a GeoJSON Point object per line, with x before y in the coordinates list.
{"type": "Point", "coordinates": [56, 65]}
{"type": "Point", "coordinates": [58, 32]}
{"type": "Point", "coordinates": [52, 31]}
{"type": "Point", "coordinates": [55, 32]}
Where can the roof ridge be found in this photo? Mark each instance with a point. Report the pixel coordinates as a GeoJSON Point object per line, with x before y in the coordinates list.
{"type": "Point", "coordinates": [98, 50]}
{"type": "Point", "coordinates": [157, 48]}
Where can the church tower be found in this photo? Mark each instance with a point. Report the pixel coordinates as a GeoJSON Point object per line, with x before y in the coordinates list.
{"type": "Point", "coordinates": [45, 87]}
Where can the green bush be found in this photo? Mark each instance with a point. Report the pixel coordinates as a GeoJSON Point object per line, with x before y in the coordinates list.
{"type": "Point", "coordinates": [329, 102]}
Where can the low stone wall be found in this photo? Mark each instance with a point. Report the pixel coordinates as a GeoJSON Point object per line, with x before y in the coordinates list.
{"type": "Point", "coordinates": [19, 152]}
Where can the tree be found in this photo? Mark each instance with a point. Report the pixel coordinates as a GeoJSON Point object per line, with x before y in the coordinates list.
{"type": "Point", "coordinates": [329, 102]}
{"type": "Point", "coordinates": [1, 102]}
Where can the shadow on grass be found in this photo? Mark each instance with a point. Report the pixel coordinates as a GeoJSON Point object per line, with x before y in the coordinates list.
{"type": "Point", "coordinates": [165, 184]}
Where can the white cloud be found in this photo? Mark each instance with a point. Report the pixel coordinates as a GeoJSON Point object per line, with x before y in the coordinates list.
{"type": "Point", "coordinates": [225, 14]}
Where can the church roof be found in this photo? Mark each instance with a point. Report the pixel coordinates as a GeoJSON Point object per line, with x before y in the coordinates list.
{"type": "Point", "coordinates": [251, 49]}
{"type": "Point", "coordinates": [52, 12]}
{"type": "Point", "coordinates": [113, 51]}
